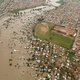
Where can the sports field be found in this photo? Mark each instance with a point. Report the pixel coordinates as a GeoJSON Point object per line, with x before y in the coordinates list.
{"type": "Point", "coordinates": [44, 31]}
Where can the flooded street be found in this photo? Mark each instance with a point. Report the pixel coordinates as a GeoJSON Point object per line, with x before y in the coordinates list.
{"type": "Point", "coordinates": [12, 51]}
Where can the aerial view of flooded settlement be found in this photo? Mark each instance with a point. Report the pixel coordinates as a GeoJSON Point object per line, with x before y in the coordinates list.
{"type": "Point", "coordinates": [39, 39]}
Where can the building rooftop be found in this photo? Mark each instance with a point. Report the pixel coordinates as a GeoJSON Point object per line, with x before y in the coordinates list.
{"type": "Point", "coordinates": [65, 30]}
{"type": "Point", "coordinates": [78, 44]}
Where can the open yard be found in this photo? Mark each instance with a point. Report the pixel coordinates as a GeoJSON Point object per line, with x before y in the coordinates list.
{"type": "Point", "coordinates": [45, 32]}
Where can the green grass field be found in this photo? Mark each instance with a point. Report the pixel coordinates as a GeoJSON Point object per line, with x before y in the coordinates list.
{"type": "Point", "coordinates": [40, 34]}
{"type": "Point", "coordinates": [61, 40]}
{"type": "Point", "coordinates": [53, 36]}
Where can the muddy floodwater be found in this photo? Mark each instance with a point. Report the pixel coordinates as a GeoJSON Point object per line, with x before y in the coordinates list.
{"type": "Point", "coordinates": [1, 1]}
{"type": "Point", "coordinates": [13, 51]}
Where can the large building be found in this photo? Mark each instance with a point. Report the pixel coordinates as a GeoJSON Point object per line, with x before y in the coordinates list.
{"type": "Point", "coordinates": [65, 30]}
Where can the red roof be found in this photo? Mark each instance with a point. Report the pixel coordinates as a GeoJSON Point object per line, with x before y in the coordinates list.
{"type": "Point", "coordinates": [65, 30]}
{"type": "Point", "coordinates": [78, 42]}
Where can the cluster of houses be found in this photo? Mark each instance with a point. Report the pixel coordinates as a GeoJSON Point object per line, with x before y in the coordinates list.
{"type": "Point", "coordinates": [76, 45]}
{"type": "Point", "coordinates": [48, 57]}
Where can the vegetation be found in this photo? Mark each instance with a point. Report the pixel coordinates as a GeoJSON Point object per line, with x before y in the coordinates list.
{"type": "Point", "coordinates": [53, 36]}
{"type": "Point", "coordinates": [15, 11]}
{"type": "Point", "coordinates": [61, 40]}
{"type": "Point", "coordinates": [61, 2]}
{"type": "Point", "coordinates": [39, 33]}
{"type": "Point", "coordinates": [66, 71]}
{"type": "Point", "coordinates": [40, 19]}
{"type": "Point", "coordinates": [70, 55]}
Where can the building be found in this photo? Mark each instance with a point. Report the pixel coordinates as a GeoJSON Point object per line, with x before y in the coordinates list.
{"type": "Point", "coordinates": [78, 44]}
{"type": "Point", "coordinates": [65, 30]}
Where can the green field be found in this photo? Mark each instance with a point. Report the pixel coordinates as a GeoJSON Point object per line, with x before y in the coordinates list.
{"type": "Point", "coordinates": [61, 40]}
{"type": "Point", "coordinates": [54, 37]}
{"type": "Point", "coordinates": [40, 34]}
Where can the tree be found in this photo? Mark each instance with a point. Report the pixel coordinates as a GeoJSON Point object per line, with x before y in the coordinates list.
{"type": "Point", "coordinates": [40, 19]}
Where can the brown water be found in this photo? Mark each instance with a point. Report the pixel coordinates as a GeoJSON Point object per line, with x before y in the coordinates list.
{"type": "Point", "coordinates": [9, 42]}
